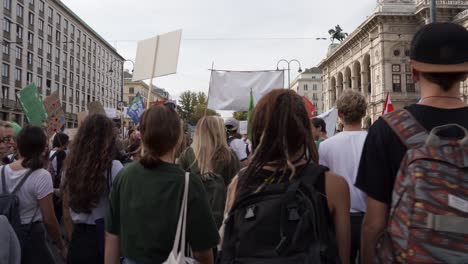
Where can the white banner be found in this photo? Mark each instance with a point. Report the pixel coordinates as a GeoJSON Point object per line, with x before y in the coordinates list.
{"type": "Point", "coordinates": [111, 112]}
{"type": "Point", "coordinates": [230, 90]}
{"type": "Point", "coordinates": [243, 127]}
{"type": "Point", "coordinates": [164, 49]}
{"type": "Point", "coordinates": [331, 118]}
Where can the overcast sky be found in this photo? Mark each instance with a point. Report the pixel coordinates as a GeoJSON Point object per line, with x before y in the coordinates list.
{"type": "Point", "coordinates": [264, 31]}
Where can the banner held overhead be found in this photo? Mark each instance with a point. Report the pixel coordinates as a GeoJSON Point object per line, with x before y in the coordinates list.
{"type": "Point", "coordinates": [230, 90]}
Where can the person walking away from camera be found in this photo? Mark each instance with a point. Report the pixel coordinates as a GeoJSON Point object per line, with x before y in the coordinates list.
{"type": "Point", "coordinates": [56, 158]}
{"type": "Point", "coordinates": [439, 62]}
{"type": "Point", "coordinates": [34, 189]}
{"type": "Point", "coordinates": [284, 161]}
{"type": "Point", "coordinates": [319, 131]}
{"type": "Point", "coordinates": [342, 153]}
{"type": "Point", "coordinates": [87, 183]}
{"type": "Point", "coordinates": [235, 140]}
{"type": "Point", "coordinates": [145, 202]}
{"type": "Point", "coordinates": [211, 158]}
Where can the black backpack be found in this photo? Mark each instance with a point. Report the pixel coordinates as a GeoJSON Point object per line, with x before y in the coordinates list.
{"type": "Point", "coordinates": [9, 202]}
{"type": "Point", "coordinates": [284, 223]}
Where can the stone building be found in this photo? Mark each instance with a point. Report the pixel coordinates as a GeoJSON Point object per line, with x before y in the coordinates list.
{"type": "Point", "coordinates": [374, 58]}
{"type": "Point", "coordinates": [46, 43]}
{"type": "Point", "coordinates": [309, 84]}
{"type": "Point", "coordinates": [131, 88]}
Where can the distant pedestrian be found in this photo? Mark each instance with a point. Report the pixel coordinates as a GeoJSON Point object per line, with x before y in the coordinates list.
{"type": "Point", "coordinates": [211, 158]}
{"type": "Point", "coordinates": [235, 141]}
{"type": "Point", "coordinates": [439, 63]}
{"type": "Point", "coordinates": [145, 202]}
{"type": "Point", "coordinates": [319, 131]}
{"type": "Point", "coordinates": [342, 153]}
{"type": "Point", "coordinates": [36, 210]}
{"type": "Point", "coordinates": [287, 209]}
{"type": "Point", "coordinates": [56, 159]}
{"type": "Point", "coordinates": [88, 175]}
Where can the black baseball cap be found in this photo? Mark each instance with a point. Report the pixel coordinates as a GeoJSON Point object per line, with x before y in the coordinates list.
{"type": "Point", "coordinates": [440, 47]}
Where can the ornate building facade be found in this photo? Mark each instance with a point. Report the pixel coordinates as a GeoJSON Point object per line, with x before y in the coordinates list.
{"type": "Point", "coordinates": [374, 59]}
{"type": "Point", "coordinates": [309, 84]}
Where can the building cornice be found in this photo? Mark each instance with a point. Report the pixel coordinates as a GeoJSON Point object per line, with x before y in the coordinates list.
{"type": "Point", "coordinates": [87, 27]}
{"type": "Point", "coordinates": [360, 34]}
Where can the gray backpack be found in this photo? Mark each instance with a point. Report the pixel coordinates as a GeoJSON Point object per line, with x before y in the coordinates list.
{"type": "Point", "coordinates": [9, 202]}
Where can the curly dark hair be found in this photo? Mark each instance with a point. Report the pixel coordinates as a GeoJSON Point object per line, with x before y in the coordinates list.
{"type": "Point", "coordinates": [91, 155]}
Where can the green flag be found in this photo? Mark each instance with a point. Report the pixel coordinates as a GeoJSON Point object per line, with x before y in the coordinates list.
{"type": "Point", "coordinates": [249, 114]}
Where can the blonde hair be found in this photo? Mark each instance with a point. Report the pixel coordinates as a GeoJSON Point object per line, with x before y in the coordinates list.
{"type": "Point", "coordinates": [210, 144]}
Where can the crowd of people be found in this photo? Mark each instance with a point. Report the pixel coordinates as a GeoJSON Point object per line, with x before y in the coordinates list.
{"type": "Point", "coordinates": [286, 193]}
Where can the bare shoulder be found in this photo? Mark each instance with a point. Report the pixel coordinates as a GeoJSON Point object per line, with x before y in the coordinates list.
{"type": "Point", "coordinates": [337, 191]}
{"type": "Point", "coordinates": [335, 182]}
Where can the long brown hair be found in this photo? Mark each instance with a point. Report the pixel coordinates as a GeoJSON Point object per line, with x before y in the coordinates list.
{"type": "Point", "coordinates": [280, 130]}
{"type": "Point", "coordinates": [91, 155]}
{"type": "Point", "coordinates": [161, 132]}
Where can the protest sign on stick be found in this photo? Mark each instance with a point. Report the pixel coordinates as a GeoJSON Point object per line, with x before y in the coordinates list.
{"type": "Point", "coordinates": [157, 56]}
{"type": "Point", "coordinates": [56, 116]}
{"type": "Point", "coordinates": [33, 107]}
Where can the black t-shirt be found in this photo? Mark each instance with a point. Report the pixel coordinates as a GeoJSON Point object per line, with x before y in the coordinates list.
{"type": "Point", "coordinates": [383, 151]}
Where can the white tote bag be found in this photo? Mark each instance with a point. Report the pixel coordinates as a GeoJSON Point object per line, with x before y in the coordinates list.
{"type": "Point", "coordinates": [178, 256]}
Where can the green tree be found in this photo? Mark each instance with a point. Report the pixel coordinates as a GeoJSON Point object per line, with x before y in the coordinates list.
{"type": "Point", "coordinates": [187, 103]}
{"type": "Point", "coordinates": [202, 98]}
{"type": "Point", "coordinates": [241, 116]}
{"type": "Point", "coordinates": [193, 106]}
{"type": "Point", "coordinates": [199, 112]}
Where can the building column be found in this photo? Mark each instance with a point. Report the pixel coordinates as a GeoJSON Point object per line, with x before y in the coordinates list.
{"type": "Point", "coordinates": [364, 82]}
{"type": "Point", "coordinates": [339, 90]}
{"type": "Point", "coordinates": [354, 83]}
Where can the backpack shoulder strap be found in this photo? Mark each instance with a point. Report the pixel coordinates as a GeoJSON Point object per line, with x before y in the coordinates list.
{"type": "Point", "coordinates": [310, 175]}
{"type": "Point", "coordinates": [4, 188]}
{"type": "Point", "coordinates": [25, 177]}
{"type": "Point", "coordinates": [407, 128]}
{"type": "Point", "coordinates": [53, 156]}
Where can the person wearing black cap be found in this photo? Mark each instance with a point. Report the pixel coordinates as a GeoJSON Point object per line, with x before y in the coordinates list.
{"type": "Point", "coordinates": [439, 62]}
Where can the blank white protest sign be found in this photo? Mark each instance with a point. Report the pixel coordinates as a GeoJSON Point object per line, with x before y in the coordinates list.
{"type": "Point", "coordinates": [157, 56]}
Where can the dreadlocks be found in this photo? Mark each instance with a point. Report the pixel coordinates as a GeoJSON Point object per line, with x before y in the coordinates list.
{"type": "Point", "coordinates": [280, 131]}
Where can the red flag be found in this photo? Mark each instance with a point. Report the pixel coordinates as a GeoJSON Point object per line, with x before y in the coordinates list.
{"type": "Point", "coordinates": [388, 107]}
{"type": "Point", "coordinates": [309, 107]}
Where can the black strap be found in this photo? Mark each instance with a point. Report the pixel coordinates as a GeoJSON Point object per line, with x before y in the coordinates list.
{"type": "Point", "coordinates": [53, 155]}
{"type": "Point", "coordinates": [109, 180]}
{"type": "Point", "coordinates": [4, 189]}
{"type": "Point", "coordinates": [25, 177]}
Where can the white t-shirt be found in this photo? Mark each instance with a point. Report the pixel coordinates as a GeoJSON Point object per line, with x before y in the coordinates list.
{"type": "Point", "coordinates": [100, 210]}
{"type": "Point", "coordinates": [238, 145]}
{"type": "Point", "coordinates": [342, 154]}
{"type": "Point", "coordinates": [54, 161]}
{"type": "Point", "coordinates": [36, 187]}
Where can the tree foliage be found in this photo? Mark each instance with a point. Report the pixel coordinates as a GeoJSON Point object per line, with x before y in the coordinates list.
{"type": "Point", "coordinates": [241, 116]}
{"type": "Point", "coordinates": [192, 106]}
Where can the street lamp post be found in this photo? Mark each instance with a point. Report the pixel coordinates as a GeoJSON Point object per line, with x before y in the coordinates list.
{"type": "Point", "coordinates": [289, 68]}
{"type": "Point", "coordinates": [122, 84]}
